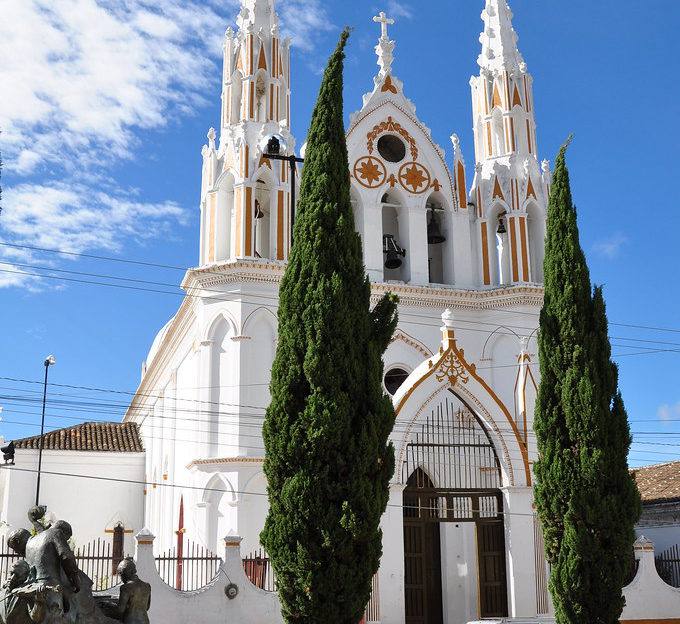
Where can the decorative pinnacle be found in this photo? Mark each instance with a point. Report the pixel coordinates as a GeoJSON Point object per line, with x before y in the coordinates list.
{"type": "Point", "coordinates": [499, 40]}
{"type": "Point", "coordinates": [448, 318]}
{"type": "Point", "coordinates": [385, 47]}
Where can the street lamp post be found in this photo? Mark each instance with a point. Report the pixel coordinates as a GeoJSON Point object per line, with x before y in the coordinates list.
{"type": "Point", "coordinates": [49, 361]}
{"type": "Point", "coordinates": [272, 151]}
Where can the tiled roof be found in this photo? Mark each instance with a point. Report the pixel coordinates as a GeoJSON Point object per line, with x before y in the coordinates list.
{"type": "Point", "coordinates": [89, 436]}
{"type": "Point", "coordinates": [659, 483]}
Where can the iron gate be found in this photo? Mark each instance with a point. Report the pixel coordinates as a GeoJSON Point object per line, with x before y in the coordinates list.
{"type": "Point", "coordinates": [452, 474]}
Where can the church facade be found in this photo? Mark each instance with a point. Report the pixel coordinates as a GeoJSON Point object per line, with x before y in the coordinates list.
{"type": "Point", "coordinates": [463, 249]}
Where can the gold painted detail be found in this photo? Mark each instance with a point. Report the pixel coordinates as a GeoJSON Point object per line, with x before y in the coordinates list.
{"type": "Point", "coordinates": [452, 368]}
{"type": "Point", "coordinates": [388, 85]}
{"type": "Point", "coordinates": [413, 176]}
{"type": "Point", "coordinates": [391, 126]}
{"type": "Point", "coordinates": [369, 172]}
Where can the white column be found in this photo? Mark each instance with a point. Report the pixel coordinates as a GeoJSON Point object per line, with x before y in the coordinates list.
{"type": "Point", "coordinates": [519, 546]}
{"type": "Point", "coordinates": [372, 241]}
{"type": "Point", "coordinates": [417, 245]}
{"type": "Point", "coordinates": [391, 572]}
{"type": "Point", "coordinates": [462, 249]}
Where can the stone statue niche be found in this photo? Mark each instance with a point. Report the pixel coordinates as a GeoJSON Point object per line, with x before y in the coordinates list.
{"type": "Point", "coordinates": [46, 586]}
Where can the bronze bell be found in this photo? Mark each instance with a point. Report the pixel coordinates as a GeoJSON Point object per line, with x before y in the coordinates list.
{"type": "Point", "coordinates": [393, 251]}
{"type": "Point", "coordinates": [501, 227]}
{"type": "Point", "coordinates": [434, 235]}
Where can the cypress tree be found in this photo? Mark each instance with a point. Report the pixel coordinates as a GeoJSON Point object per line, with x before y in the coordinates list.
{"type": "Point", "coordinates": [328, 461]}
{"type": "Point", "coordinates": [585, 496]}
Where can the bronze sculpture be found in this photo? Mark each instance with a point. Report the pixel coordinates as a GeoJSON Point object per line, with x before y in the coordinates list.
{"type": "Point", "coordinates": [46, 586]}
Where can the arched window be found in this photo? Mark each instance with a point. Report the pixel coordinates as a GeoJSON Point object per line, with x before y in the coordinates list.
{"type": "Point", "coordinates": [261, 99]}
{"type": "Point", "coordinates": [118, 547]}
{"type": "Point", "coordinates": [283, 100]}
{"type": "Point", "coordinates": [223, 213]}
{"type": "Point", "coordinates": [498, 133]}
{"type": "Point", "coordinates": [395, 240]}
{"type": "Point", "coordinates": [236, 97]}
{"type": "Point", "coordinates": [262, 222]}
{"type": "Point", "coordinates": [439, 240]}
{"type": "Point", "coordinates": [536, 233]}
{"type": "Point", "coordinates": [503, 251]}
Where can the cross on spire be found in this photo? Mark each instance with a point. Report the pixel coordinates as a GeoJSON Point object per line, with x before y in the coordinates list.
{"type": "Point", "coordinates": [383, 20]}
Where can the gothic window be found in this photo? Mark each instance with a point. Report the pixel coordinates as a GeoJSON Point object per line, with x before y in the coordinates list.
{"type": "Point", "coordinates": [497, 133]}
{"type": "Point", "coordinates": [118, 546]}
{"type": "Point", "coordinates": [261, 99]}
{"type": "Point", "coordinates": [395, 240]}
{"type": "Point", "coordinates": [236, 97]}
{"type": "Point", "coordinates": [262, 222]}
{"type": "Point", "coordinates": [502, 250]}
{"type": "Point", "coordinates": [223, 210]}
{"type": "Point", "coordinates": [439, 240]}
{"type": "Point", "coordinates": [536, 234]}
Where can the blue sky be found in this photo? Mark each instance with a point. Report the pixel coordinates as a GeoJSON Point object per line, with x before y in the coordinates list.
{"type": "Point", "coordinates": [105, 105]}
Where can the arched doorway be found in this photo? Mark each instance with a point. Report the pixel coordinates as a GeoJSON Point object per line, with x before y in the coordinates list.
{"type": "Point", "coordinates": [453, 509]}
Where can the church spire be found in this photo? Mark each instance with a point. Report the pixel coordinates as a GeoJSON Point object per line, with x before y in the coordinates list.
{"type": "Point", "coordinates": [499, 39]}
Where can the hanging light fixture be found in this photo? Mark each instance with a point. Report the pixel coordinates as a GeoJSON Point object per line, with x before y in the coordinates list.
{"type": "Point", "coordinates": [434, 234]}
{"type": "Point", "coordinates": [393, 251]}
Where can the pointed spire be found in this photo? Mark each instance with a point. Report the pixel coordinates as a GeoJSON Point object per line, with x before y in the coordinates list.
{"type": "Point", "coordinates": [499, 40]}
{"type": "Point", "coordinates": [256, 15]}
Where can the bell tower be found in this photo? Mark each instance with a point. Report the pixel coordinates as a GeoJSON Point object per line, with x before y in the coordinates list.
{"type": "Point", "coordinates": [510, 190]}
{"type": "Point", "coordinates": [245, 196]}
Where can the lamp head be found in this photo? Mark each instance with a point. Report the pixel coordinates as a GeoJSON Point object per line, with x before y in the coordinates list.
{"type": "Point", "coordinates": [273, 144]}
{"type": "Point", "coordinates": [49, 360]}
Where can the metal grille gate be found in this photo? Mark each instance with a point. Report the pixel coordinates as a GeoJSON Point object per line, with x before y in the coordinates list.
{"type": "Point", "coordinates": [453, 475]}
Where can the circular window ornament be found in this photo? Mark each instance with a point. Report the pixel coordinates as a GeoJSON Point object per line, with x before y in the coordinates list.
{"type": "Point", "coordinates": [391, 148]}
{"type": "Point", "coordinates": [394, 378]}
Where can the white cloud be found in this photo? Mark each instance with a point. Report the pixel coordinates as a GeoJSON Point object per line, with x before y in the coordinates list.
{"type": "Point", "coordinates": [666, 412]}
{"type": "Point", "coordinates": [397, 8]}
{"type": "Point", "coordinates": [610, 247]}
{"type": "Point", "coordinates": [82, 80]}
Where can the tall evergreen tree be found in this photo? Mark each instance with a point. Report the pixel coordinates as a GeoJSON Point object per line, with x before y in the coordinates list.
{"type": "Point", "coordinates": [585, 497]}
{"type": "Point", "coordinates": [328, 461]}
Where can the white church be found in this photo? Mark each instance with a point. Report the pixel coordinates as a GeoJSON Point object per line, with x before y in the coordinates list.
{"type": "Point", "coordinates": [464, 252]}
{"type": "Point", "coordinates": [462, 248]}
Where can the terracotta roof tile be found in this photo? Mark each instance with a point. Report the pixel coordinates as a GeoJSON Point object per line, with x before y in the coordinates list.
{"type": "Point", "coordinates": [89, 436]}
{"type": "Point", "coordinates": [658, 483]}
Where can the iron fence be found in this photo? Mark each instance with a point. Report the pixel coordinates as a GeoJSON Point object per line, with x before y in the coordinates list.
{"type": "Point", "coordinates": [668, 565]}
{"type": "Point", "coordinates": [192, 569]}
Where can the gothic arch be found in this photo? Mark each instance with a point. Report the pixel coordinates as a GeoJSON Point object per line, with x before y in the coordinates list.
{"type": "Point", "coordinates": [450, 370]}
{"type": "Point", "coordinates": [493, 335]}
{"type": "Point", "coordinates": [220, 316]}
{"type": "Point", "coordinates": [257, 312]}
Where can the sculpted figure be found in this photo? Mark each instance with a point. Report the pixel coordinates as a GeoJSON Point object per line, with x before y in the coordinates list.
{"type": "Point", "coordinates": [135, 595]}
{"type": "Point", "coordinates": [50, 556]}
{"type": "Point", "coordinates": [17, 541]}
{"type": "Point", "coordinates": [14, 609]}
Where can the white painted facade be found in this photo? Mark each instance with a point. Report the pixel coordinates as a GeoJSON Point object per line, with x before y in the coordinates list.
{"type": "Point", "coordinates": [204, 389]}
{"type": "Point", "coordinates": [77, 486]}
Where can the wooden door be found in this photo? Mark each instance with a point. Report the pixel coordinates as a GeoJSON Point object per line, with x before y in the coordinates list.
{"type": "Point", "coordinates": [422, 560]}
{"type": "Point", "coordinates": [493, 599]}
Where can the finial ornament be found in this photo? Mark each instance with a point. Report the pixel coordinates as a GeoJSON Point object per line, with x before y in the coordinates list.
{"type": "Point", "coordinates": [383, 20]}
{"type": "Point", "coordinates": [385, 47]}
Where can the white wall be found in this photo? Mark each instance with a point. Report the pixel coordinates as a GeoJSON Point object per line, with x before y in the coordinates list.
{"type": "Point", "coordinates": [89, 501]}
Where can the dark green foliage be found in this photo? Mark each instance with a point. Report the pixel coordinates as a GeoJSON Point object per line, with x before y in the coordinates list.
{"type": "Point", "coordinates": [585, 497]}
{"type": "Point", "coordinates": [327, 457]}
